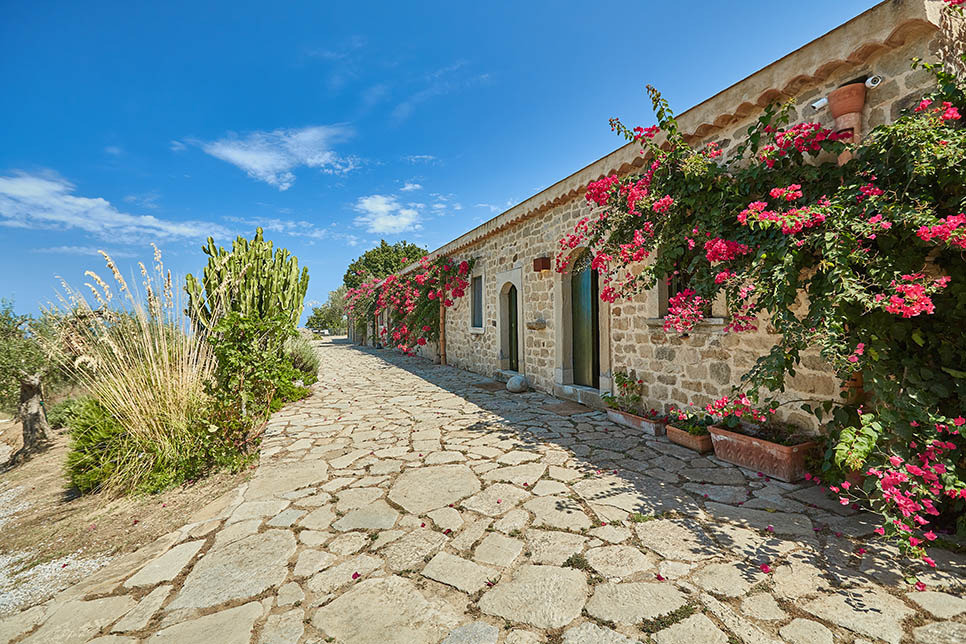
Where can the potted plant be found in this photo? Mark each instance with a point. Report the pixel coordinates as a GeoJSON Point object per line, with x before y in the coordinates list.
{"type": "Point", "coordinates": [626, 407]}
{"type": "Point", "coordinates": [690, 429]}
{"type": "Point", "coordinates": [747, 437]}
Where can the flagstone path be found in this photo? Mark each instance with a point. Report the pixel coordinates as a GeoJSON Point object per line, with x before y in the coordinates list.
{"type": "Point", "coordinates": [402, 503]}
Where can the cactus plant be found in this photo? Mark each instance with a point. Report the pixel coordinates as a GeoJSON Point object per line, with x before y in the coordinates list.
{"type": "Point", "coordinates": [251, 279]}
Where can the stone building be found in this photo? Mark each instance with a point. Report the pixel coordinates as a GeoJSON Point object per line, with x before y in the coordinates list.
{"type": "Point", "coordinates": [520, 316]}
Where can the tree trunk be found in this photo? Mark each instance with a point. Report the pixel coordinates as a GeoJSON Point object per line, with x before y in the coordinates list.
{"type": "Point", "coordinates": [36, 430]}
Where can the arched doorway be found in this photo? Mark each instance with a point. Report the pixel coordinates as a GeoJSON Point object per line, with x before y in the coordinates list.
{"type": "Point", "coordinates": [513, 345]}
{"type": "Point", "coordinates": [585, 326]}
{"type": "Point", "coordinates": [510, 322]}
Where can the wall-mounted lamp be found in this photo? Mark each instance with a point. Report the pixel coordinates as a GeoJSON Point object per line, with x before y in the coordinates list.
{"type": "Point", "coordinates": [541, 265]}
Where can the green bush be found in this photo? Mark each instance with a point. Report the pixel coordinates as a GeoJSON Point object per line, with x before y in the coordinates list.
{"type": "Point", "coordinates": [103, 452]}
{"type": "Point", "coordinates": [59, 414]}
{"type": "Point", "coordinates": [254, 375]}
{"type": "Point", "coordinates": [304, 358]}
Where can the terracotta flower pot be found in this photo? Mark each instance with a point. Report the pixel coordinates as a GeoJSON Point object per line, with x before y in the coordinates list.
{"type": "Point", "coordinates": [700, 444]}
{"type": "Point", "coordinates": [645, 425]}
{"type": "Point", "coordinates": [783, 462]}
{"type": "Point", "coordinates": [846, 99]}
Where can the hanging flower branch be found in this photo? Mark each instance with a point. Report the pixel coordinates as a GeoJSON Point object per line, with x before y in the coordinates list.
{"type": "Point", "coordinates": [412, 301]}
{"type": "Point", "coordinates": [876, 246]}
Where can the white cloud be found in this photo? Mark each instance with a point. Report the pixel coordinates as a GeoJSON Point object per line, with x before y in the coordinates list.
{"type": "Point", "coordinates": [83, 250]}
{"type": "Point", "coordinates": [146, 200]}
{"type": "Point", "coordinates": [437, 83]}
{"type": "Point", "coordinates": [177, 146]}
{"type": "Point", "coordinates": [114, 150]}
{"type": "Point", "coordinates": [272, 156]}
{"type": "Point", "coordinates": [48, 201]}
{"type": "Point", "coordinates": [410, 186]}
{"type": "Point", "coordinates": [294, 229]}
{"type": "Point", "coordinates": [383, 214]}
{"type": "Point", "coordinates": [419, 158]}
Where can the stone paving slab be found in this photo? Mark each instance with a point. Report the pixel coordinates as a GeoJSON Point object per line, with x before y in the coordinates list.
{"type": "Point", "coordinates": [402, 503]}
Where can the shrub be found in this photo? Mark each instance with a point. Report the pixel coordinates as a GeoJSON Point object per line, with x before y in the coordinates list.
{"type": "Point", "coordinates": [304, 358]}
{"type": "Point", "coordinates": [60, 414]}
{"type": "Point", "coordinates": [254, 376]}
{"type": "Point", "coordinates": [103, 453]}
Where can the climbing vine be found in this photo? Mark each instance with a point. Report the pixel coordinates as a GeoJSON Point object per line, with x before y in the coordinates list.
{"type": "Point", "coordinates": [412, 301]}
{"type": "Point", "coordinates": [862, 262]}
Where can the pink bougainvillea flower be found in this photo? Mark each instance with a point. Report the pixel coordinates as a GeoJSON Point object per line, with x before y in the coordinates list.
{"type": "Point", "coordinates": [447, 531]}
{"type": "Point", "coordinates": [861, 551]}
{"type": "Point", "coordinates": [659, 577]}
{"type": "Point", "coordinates": [770, 528]}
{"type": "Point", "coordinates": [765, 568]}
{"type": "Point", "coordinates": [355, 575]}
{"type": "Point", "coordinates": [920, 586]}
{"type": "Point", "coordinates": [663, 204]}
{"type": "Point", "coordinates": [422, 525]}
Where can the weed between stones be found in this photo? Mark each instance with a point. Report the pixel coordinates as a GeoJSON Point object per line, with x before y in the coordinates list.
{"type": "Point", "coordinates": [660, 623]}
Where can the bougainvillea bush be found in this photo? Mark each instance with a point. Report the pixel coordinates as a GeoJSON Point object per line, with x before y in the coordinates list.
{"type": "Point", "coordinates": [412, 300]}
{"type": "Point", "coordinates": [862, 262]}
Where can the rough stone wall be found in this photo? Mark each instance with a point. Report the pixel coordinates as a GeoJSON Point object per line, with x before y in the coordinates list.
{"type": "Point", "coordinates": [515, 247]}
{"type": "Point", "coordinates": [676, 370]}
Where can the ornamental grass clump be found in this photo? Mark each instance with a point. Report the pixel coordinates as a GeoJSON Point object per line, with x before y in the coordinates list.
{"type": "Point", "coordinates": [860, 264]}
{"type": "Point", "coordinates": [145, 373]}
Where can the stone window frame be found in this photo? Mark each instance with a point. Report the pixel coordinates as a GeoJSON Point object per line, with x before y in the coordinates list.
{"type": "Point", "coordinates": [714, 323]}
{"type": "Point", "coordinates": [478, 330]}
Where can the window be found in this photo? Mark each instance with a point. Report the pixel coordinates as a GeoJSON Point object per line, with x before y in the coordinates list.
{"type": "Point", "coordinates": [476, 303]}
{"type": "Point", "coordinates": [678, 282]}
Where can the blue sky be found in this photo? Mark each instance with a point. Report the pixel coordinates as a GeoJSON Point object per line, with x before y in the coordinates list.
{"type": "Point", "coordinates": [330, 124]}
